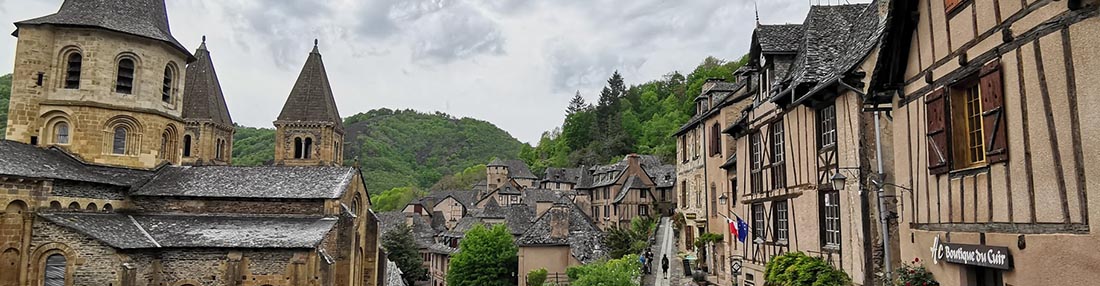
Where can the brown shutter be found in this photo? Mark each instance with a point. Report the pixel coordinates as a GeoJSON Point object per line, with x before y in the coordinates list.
{"type": "Point", "coordinates": [938, 149]}
{"type": "Point", "coordinates": [992, 92]}
{"type": "Point", "coordinates": [949, 5]}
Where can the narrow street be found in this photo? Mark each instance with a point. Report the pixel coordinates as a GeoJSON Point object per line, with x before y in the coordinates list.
{"type": "Point", "coordinates": [666, 244]}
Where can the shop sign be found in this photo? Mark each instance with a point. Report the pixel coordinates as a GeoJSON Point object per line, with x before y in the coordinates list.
{"type": "Point", "coordinates": [977, 255]}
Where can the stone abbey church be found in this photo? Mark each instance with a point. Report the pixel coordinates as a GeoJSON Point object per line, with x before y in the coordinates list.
{"type": "Point", "coordinates": [114, 171]}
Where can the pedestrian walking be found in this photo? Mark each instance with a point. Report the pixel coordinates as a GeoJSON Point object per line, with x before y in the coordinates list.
{"type": "Point", "coordinates": [664, 265]}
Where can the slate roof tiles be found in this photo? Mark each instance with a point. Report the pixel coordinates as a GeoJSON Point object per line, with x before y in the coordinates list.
{"type": "Point", "coordinates": [143, 18]}
{"type": "Point", "coordinates": [311, 98]}
{"type": "Point", "coordinates": [24, 160]}
{"type": "Point", "coordinates": [284, 182]}
{"type": "Point", "coordinates": [191, 231]}
{"type": "Point", "coordinates": [202, 96]}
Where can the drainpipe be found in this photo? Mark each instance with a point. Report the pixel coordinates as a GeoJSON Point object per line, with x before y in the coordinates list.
{"type": "Point", "coordinates": [884, 226]}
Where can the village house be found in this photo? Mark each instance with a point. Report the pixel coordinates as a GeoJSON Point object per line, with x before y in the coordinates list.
{"type": "Point", "coordinates": [106, 106]}
{"type": "Point", "coordinates": [991, 102]}
{"type": "Point", "coordinates": [637, 186]}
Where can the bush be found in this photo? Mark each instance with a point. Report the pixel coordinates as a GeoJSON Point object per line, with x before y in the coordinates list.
{"type": "Point", "coordinates": [914, 274]}
{"type": "Point", "coordinates": [623, 271]}
{"type": "Point", "coordinates": [536, 277]}
{"type": "Point", "coordinates": [796, 268]}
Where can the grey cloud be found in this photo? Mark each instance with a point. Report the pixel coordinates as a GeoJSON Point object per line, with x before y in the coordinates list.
{"type": "Point", "coordinates": [439, 31]}
{"type": "Point", "coordinates": [573, 69]}
{"type": "Point", "coordinates": [287, 28]}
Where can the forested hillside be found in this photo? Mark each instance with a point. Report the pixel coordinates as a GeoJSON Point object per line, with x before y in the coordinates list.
{"type": "Point", "coordinates": [638, 119]}
{"type": "Point", "coordinates": [399, 148]}
{"type": "Point", "coordinates": [5, 94]}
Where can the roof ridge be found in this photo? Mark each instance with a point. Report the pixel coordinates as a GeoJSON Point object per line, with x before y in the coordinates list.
{"type": "Point", "coordinates": [142, 229]}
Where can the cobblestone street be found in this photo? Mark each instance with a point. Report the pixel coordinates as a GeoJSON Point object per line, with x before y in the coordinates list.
{"type": "Point", "coordinates": [666, 244]}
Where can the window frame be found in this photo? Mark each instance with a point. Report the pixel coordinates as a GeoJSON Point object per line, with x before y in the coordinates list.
{"type": "Point", "coordinates": [71, 79]}
{"type": "Point", "coordinates": [778, 155]}
{"type": "Point", "coordinates": [781, 221]}
{"type": "Point", "coordinates": [964, 101]}
{"type": "Point", "coordinates": [830, 220]}
{"type": "Point", "coordinates": [826, 127]}
{"type": "Point", "coordinates": [756, 167]}
{"type": "Point", "coordinates": [759, 226]}
{"type": "Point", "coordinates": [62, 132]}
{"type": "Point", "coordinates": [61, 266]}
{"type": "Point", "coordinates": [187, 145]}
{"type": "Point", "coordinates": [169, 83]}
{"type": "Point", "coordinates": [130, 87]}
{"type": "Point", "coordinates": [119, 136]}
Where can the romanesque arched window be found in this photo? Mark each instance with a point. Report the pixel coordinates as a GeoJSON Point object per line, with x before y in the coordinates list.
{"type": "Point", "coordinates": [74, 206]}
{"type": "Point", "coordinates": [108, 207]}
{"type": "Point", "coordinates": [187, 145]}
{"type": "Point", "coordinates": [167, 89]}
{"type": "Point", "coordinates": [308, 149]}
{"type": "Point", "coordinates": [91, 207]}
{"type": "Point", "coordinates": [61, 133]}
{"type": "Point", "coordinates": [72, 70]}
{"type": "Point", "coordinates": [297, 148]}
{"type": "Point", "coordinates": [54, 272]}
{"type": "Point", "coordinates": [118, 143]}
{"type": "Point", "coordinates": [219, 149]}
{"type": "Point", "coordinates": [124, 81]}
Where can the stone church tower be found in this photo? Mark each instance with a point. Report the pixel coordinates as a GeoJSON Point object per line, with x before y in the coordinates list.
{"type": "Point", "coordinates": [309, 130]}
{"type": "Point", "coordinates": [105, 89]}
{"type": "Point", "coordinates": [208, 137]}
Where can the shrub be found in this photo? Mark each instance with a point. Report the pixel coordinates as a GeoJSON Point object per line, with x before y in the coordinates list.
{"type": "Point", "coordinates": [796, 268]}
{"type": "Point", "coordinates": [536, 277]}
{"type": "Point", "coordinates": [914, 274]}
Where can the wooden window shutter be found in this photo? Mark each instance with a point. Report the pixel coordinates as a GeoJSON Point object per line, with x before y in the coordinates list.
{"type": "Point", "coordinates": [993, 120]}
{"type": "Point", "coordinates": [950, 5]}
{"type": "Point", "coordinates": [938, 147]}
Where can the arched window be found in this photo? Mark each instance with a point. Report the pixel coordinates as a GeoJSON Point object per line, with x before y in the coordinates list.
{"type": "Point", "coordinates": [118, 145]}
{"type": "Point", "coordinates": [124, 83]}
{"type": "Point", "coordinates": [297, 148]}
{"type": "Point", "coordinates": [61, 133]}
{"type": "Point", "coordinates": [91, 207]}
{"type": "Point", "coordinates": [55, 205]}
{"type": "Point", "coordinates": [187, 145]}
{"type": "Point", "coordinates": [218, 148]}
{"type": "Point", "coordinates": [166, 90]}
{"type": "Point", "coordinates": [54, 274]}
{"type": "Point", "coordinates": [108, 207]}
{"type": "Point", "coordinates": [308, 148]}
{"type": "Point", "coordinates": [72, 71]}
{"type": "Point", "coordinates": [163, 146]}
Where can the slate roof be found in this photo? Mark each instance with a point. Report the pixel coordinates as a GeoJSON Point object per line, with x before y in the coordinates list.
{"type": "Point", "coordinates": [563, 175]}
{"type": "Point", "coordinates": [632, 183]}
{"type": "Point", "coordinates": [778, 38]}
{"type": "Point", "coordinates": [664, 176]}
{"type": "Point", "coordinates": [519, 169]}
{"type": "Point", "coordinates": [142, 18]}
{"type": "Point", "coordinates": [466, 198]}
{"type": "Point", "coordinates": [825, 40]}
{"type": "Point", "coordinates": [311, 97]}
{"type": "Point", "coordinates": [393, 274]}
{"type": "Point", "coordinates": [24, 160]}
{"type": "Point", "coordinates": [202, 95]}
{"type": "Point", "coordinates": [284, 182]}
{"type": "Point", "coordinates": [196, 231]}
{"type": "Point", "coordinates": [864, 34]}
{"type": "Point", "coordinates": [421, 229]}
{"type": "Point", "coordinates": [517, 217]}
{"type": "Point", "coordinates": [439, 248]}
{"type": "Point", "coordinates": [585, 240]}
{"type": "Point", "coordinates": [725, 99]}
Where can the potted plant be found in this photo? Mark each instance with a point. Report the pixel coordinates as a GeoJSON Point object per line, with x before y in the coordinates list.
{"type": "Point", "coordinates": [914, 274]}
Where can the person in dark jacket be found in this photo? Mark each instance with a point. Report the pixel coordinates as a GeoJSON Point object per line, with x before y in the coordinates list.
{"type": "Point", "coordinates": [664, 265]}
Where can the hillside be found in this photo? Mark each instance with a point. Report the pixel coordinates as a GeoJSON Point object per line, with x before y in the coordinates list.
{"type": "Point", "coordinates": [399, 148]}
{"type": "Point", "coordinates": [5, 94]}
{"type": "Point", "coordinates": [638, 119]}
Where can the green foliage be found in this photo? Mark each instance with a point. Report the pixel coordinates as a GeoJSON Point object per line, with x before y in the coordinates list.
{"type": "Point", "coordinates": [632, 240]}
{"type": "Point", "coordinates": [253, 146]}
{"type": "Point", "coordinates": [399, 148]}
{"type": "Point", "coordinates": [394, 199]}
{"type": "Point", "coordinates": [402, 250]}
{"type": "Point", "coordinates": [706, 238]}
{"type": "Point", "coordinates": [914, 274]}
{"type": "Point", "coordinates": [5, 95]}
{"type": "Point", "coordinates": [638, 119]}
{"type": "Point", "coordinates": [536, 277]}
{"type": "Point", "coordinates": [796, 268]}
{"type": "Point", "coordinates": [622, 271]}
{"type": "Point", "coordinates": [486, 257]}
{"type": "Point", "coordinates": [461, 180]}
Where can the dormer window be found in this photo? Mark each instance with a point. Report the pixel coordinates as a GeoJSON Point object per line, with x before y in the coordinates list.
{"type": "Point", "coordinates": [72, 71]}
{"type": "Point", "coordinates": [124, 83]}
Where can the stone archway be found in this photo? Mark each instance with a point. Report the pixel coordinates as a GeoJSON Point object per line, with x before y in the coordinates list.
{"type": "Point", "coordinates": [9, 267]}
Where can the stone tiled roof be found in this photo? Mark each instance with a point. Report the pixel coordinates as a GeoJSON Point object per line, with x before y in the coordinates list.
{"type": "Point", "coordinates": [563, 175]}
{"type": "Point", "coordinates": [725, 99]}
{"type": "Point", "coordinates": [824, 42]}
{"type": "Point", "coordinates": [519, 169]}
{"type": "Point", "coordinates": [195, 231]}
{"type": "Point", "coordinates": [779, 38]}
{"type": "Point", "coordinates": [632, 183]}
{"type": "Point", "coordinates": [202, 96]}
{"type": "Point", "coordinates": [517, 217]}
{"type": "Point", "coordinates": [143, 18]}
{"type": "Point", "coordinates": [466, 198]}
{"type": "Point", "coordinates": [664, 176]}
{"type": "Point", "coordinates": [585, 239]}
{"type": "Point", "coordinates": [421, 229]}
{"type": "Point", "coordinates": [439, 248]}
{"type": "Point", "coordinates": [311, 97]}
{"type": "Point", "coordinates": [393, 274]}
{"type": "Point", "coordinates": [24, 160]}
{"type": "Point", "coordinates": [286, 182]}
{"type": "Point", "coordinates": [864, 34]}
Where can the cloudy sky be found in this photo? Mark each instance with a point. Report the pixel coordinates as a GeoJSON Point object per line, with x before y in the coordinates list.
{"type": "Point", "coordinates": [514, 63]}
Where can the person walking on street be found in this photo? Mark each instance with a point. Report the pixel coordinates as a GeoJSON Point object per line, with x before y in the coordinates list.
{"type": "Point", "coordinates": [664, 265]}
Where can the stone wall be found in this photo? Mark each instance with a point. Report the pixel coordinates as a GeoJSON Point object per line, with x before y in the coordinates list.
{"type": "Point", "coordinates": [91, 262]}
{"type": "Point", "coordinates": [226, 206]}
{"type": "Point", "coordinates": [87, 190]}
{"type": "Point", "coordinates": [327, 147]}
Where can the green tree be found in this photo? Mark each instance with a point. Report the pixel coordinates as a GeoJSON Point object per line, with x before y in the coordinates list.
{"type": "Point", "coordinates": [401, 249]}
{"type": "Point", "coordinates": [536, 277]}
{"type": "Point", "coordinates": [394, 199]}
{"type": "Point", "coordinates": [797, 268]}
{"type": "Point", "coordinates": [486, 257]}
{"type": "Point", "coordinates": [253, 146]}
{"type": "Point", "coordinates": [462, 180]}
{"type": "Point", "coordinates": [622, 271]}
{"type": "Point", "coordinates": [622, 241]}
{"type": "Point", "coordinates": [5, 95]}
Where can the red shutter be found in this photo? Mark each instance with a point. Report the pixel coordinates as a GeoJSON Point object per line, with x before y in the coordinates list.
{"type": "Point", "coordinates": [949, 5]}
{"type": "Point", "coordinates": [938, 149]}
{"type": "Point", "coordinates": [992, 92]}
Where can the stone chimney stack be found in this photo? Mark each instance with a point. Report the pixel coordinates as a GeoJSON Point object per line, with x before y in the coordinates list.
{"type": "Point", "coordinates": [632, 159]}
{"type": "Point", "coordinates": [542, 206]}
{"type": "Point", "coordinates": [559, 221]}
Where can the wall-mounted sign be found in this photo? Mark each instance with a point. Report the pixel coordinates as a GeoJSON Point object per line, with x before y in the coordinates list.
{"type": "Point", "coordinates": [978, 255]}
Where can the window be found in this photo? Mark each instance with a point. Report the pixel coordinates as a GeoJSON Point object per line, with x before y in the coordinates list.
{"type": "Point", "coordinates": [683, 194]}
{"type": "Point", "coordinates": [642, 194]}
{"type": "Point", "coordinates": [683, 148]}
{"type": "Point", "coordinates": [219, 148]}
{"type": "Point", "coordinates": [780, 214]}
{"type": "Point", "coordinates": [830, 213]}
{"type": "Point", "coordinates": [308, 148]}
{"type": "Point", "coordinates": [187, 145]}
{"type": "Point", "coordinates": [54, 273]}
{"type": "Point", "coordinates": [61, 133]}
{"type": "Point", "coordinates": [118, 145]}
{"type": "Point", "coordinates": [166, 90]}
{"type": "Point", "coordinates": [779, 166]}
{"type": "Point", "coordinates": [298, 148]}
{"type": "Point", "coordinates": [826, 127]}
{"type": "Point", "coordinates": [606, 211]}
{"type": "Point", "coordinates": [124, 82]}
{"type": "Point", "coordinates": [967, 130]}
{"type": "Point", "coordinates": [758, 221]}
{"type": "Point", "coordinates": [74, 206]}
{"type": "Point", "coordinates": [715, 140]}
{"type": "Point", "coordinates": [755, 151]}
{"type": "Point", "coordinates": [643, 210]}
{"type": "Point", "coordinates": [72, 72]}
{"type": "Point", "coordinates": [163, 146]}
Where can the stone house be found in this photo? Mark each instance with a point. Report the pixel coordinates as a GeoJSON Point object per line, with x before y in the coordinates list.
{"type": "Point", "coordinates": [560, 179]}
{"type": "Point", "coordinates": [991, 102]}
{"type": "Point", "coordinates": [561, 237]}
{"type": "Point", "coordinates": [93, 187]}
{"type": "Point", "coordinates": [634, 187]}
{"type": "Point", "coordinates": [500, 172]}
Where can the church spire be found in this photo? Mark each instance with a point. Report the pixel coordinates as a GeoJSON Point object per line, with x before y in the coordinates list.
{"type": "Point", "coordinates": [209, 138]}
{"type": "Point", "coordinates": [309, 130]}
{"type": "Point", "coordinates": [311, 97]}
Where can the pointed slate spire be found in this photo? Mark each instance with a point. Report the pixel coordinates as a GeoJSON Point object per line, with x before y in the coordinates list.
{"type": "Point", "coordinates": [202, 95]}
{"type": "Point", "coordinates": [311, 98]}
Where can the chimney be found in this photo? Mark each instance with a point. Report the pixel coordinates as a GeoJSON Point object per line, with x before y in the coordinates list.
{"type": "Point", "coordinates": [541, 207]}
{"type": "Point", "coordinates": [632, 159]}
{"type": "Point", "coordinates": [559, 221]}
{"type": "Point", "coordinates": [710, 83]}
